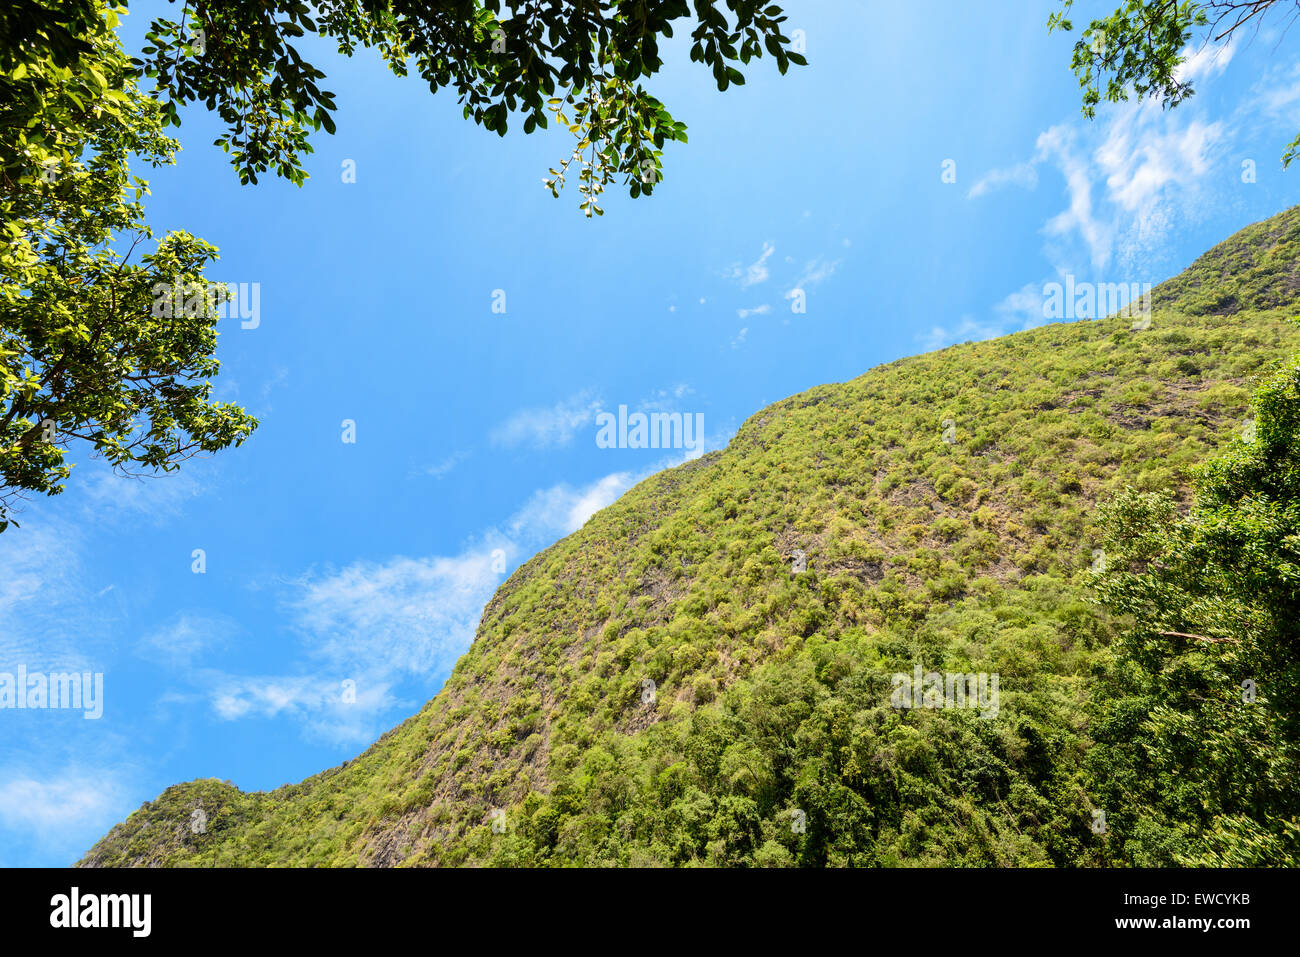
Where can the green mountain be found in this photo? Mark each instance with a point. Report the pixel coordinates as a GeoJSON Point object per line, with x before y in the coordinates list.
{"type": "Point", "coordinates": [705, 672]}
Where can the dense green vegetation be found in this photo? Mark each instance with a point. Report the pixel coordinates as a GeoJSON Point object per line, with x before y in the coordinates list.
{"type": "Point", "coordinates": [947, 506]}
{"type": "Point", "coordinates": [1198, 738]}
{"type": "Point", "coordinates": [87, 356]}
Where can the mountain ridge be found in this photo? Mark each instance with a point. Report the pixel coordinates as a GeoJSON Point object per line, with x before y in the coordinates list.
{"type": "Point", "coordinates": [962, 549]}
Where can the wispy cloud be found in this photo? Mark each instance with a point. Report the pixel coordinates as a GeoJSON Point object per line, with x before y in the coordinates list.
{"type": "Point", "coordinates": [815, 272]}
{"type": "Point", "coordinates": [377, 633]}
{"type": "Point", "coordinates": [439, 469]}
{"type": "Point", "coordinates": [966, 330]}
{"type": "Point", "coordinates": [1208, 60]}
{"type": "Point", "coordinates": [279, 378]}
{"type": "Point", "coordinates": [50, 617]}
{"type": "Point", "coordinates": [543, 428]}
{"type": "Point", "coordinates": [103, 493]}
{"type": "Point", "coordinates": [762, 310]}
{"type": "Point", "coordinates": [1275, 97]}
{"type": "Point", "coordinates": [1281, 91]}
{"type": "Point", "coordinates": [1023, 175]}
{"type": "Point", "coordinates": [1023, 309]}
{"type": "Point", "coordinates": [756, 272]}
{"type": "Point", "coordinates": [62, 812]}
{"type": "Point", "coordinates": [818, 271]}
{"type": "Point", "coordinates": [1130, 179]}
{"type": "Point", "coordinates": [55, 616]}
{"type": "Point", "coordinates": [665, 399]}
{"type": "Point", "coordinates": [186, 638]}
{"type": "Point", "coordinates": [366, 629]}
{"type": "Point", "coordinates": [562, 509]}
{"type": "Point", "coordinates": [1058, 145]}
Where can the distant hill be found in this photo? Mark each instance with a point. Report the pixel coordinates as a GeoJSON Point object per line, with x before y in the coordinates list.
{"type": "Point", "coordinates": [944, 506]}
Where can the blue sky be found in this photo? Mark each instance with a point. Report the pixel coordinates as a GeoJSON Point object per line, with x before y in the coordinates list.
{"type": "Point", "coordinates": [369, 562]}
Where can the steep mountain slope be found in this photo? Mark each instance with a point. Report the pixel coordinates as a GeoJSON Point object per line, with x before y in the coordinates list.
{"type": "Point", "coordinates": [944, 505]}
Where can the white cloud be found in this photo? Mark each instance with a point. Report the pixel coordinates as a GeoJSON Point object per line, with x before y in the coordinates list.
{"type": "Point", "coordinates": [279, 378]}
{"type": "Point", "coordinates": [400, 622]}
{"type": "Point", "coordinates": [1023, 175]}
{"type": "Point", "coordinates": [1280, 93]}
{"type": "Point", "coordinates": [1210, 60]}
{"type": "Point", "coordinates": [103, 493]}
{"type": "Point", "coordinates": [373, 624]}
{"type": "Point", "coordinates": [1140, 161]}
{"type": "Point", "coordinates": [756, 272]}
{"type": "Point", "coordinates": [1130, 179]}
{"type": "Point", "coordinates": [402, 612]}
{"type": "Point", "coordinates": [47, 618]}
{"type": "Point", "coordinates": [665, 399]}
{"type": "Point", "coordinates": [442, 468]}
{"type": "Point", "coordinates": [1024, 308]}
{"type": "Point", "coordinates": [739, 341]}
{"type": "Point", "coordinates": [595, 497]}
{"type": "Point", "coordinates": [546, 428]}
{"type": "Point", "coordinates": [1058, 144]}
{"type": "Point", "coordinates": [1276, 96]}
{"type": "Point", "coordinates": [968, 329]}
{"type": "Point", "coordinates": [42, 562]}
{"type": "Point", "coordinates": [41, 805]}
{"type": "Point", "coordinates": [762, 310]}
{"type": "Point", "coordinates": [317, 700]}
{"type": "Point", "coordinates": [55, 617]}
{"type": "Point", "coordinates": [186, 639]}
{"type": "Point", "coordinates": [562, 509]}
{"type": "Point", "coordinates": [1144, 174]}
{"type": "Point", "coordinates": [815, 272]}
{"type": "Point", "coordinates": [63, 812]}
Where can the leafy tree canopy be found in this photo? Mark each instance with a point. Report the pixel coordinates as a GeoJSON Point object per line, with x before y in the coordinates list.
{"type": "Point", "coordinates": [94, 347]}
{"type": "Point", "coordinates": [580, 62]}
{"type": "Point", "coordinates": [1141, 45]}
{"type": "Point", "coordinates": [1199, 737]}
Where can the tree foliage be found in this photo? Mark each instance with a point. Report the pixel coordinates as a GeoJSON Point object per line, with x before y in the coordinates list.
{"type": "Point", "coordinates": [1140, 47]}
{"type": "Point", "coordinates": [580, 63]}
{"type": "Point", "coordinates": [85, 352]}
{"type": "Point", "coordinates": [1200, 739]}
